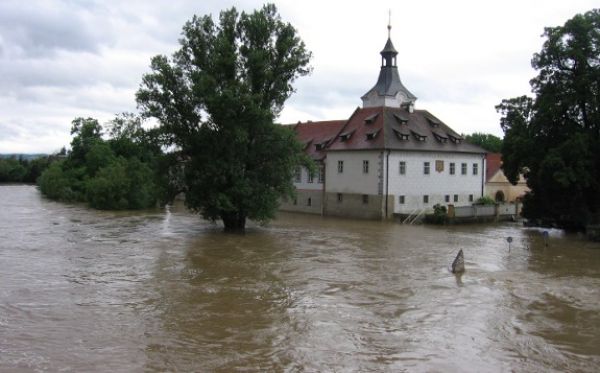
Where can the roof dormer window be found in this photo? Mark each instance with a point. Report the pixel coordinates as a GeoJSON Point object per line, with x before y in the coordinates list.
{"type": "Point", "coordinates": [346, 136]}
{"type": "Point", "coordinates": [401, 135]}
{"type": "Point", "coordinates": [371, 118]}
{"type": "Point", "coordinates": [372, 135]}
{"type": "Point", "coordinates": [455, 139]}
{"type": "Point", "coordinates": [418, 136]}
{"type": "Point", "coordinates": [440, 138]}
{"type": "Point", "coordinates": [401, 119]}
{"type": "Point", "coordinates": [433, 123]}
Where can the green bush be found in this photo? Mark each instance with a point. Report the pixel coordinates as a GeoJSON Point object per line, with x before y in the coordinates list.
{"type": "Point", "coordinates": [108, 174]}
{"type": "Point", "coordinates": [109, 188]}
{"type": "Point", "coordinates": [485, 200]}
{"type": "Point", "coordinates": [439, 216]}
{"type": "Point", "coordinates": [54, 183]}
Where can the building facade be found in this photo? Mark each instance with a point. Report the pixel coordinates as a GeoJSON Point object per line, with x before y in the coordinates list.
{"type": "Point", "coordinates": [388, 158]}
{"type": "Point", "coordinates": [497, 185]}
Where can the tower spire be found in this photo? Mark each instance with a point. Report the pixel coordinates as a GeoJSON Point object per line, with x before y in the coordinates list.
{"type": "Point", "coordinates": [389, 90]}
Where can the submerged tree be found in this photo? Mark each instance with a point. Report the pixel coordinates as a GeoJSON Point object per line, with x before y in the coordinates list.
{"type": "Point", "coordinates": [216, 100]}
{"type": "Point", "coordinates": [554, 137]}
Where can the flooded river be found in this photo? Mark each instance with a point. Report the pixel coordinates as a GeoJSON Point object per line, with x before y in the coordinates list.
{"type": "Point", "coordinates": [162, 290]}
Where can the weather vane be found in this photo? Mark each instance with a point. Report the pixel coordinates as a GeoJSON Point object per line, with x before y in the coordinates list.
{"type": "Point", "coordinates": [389, 22]}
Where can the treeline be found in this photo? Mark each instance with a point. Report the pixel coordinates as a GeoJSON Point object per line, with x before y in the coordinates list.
{"type": "Point", "coordinates": [21, 170]}
{"type": "Point", "coordinates": [127, 170]}
{"type": "Point", "coordinates": [489, 142]}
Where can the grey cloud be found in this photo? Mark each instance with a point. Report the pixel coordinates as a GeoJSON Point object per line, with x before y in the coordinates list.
{"type": "Point", "coordinates": [39, 28]}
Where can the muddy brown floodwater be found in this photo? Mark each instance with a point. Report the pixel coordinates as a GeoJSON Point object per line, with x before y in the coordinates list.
{"type": "Point", "coordinates": [162, 290]}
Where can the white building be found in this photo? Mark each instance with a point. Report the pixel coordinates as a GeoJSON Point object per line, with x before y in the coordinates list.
{"type": "Point", "coordinates": [389, 158]}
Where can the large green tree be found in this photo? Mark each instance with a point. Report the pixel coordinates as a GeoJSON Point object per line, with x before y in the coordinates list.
{"type": "Point", "coordinates": [554, 137]}
{"type": "Point", "coordinates": [217, 99]}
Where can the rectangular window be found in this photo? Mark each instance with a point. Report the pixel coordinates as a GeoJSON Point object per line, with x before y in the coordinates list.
{"type": "Point", "coordinates": [463, 168]}
{"type": "Point", "coordinates": [340, 167]}
{"type": "Point", "coordinates": [298, 175]}
{"type": "Point", "coordinates": [365, 167]}
{"type": "Point", "coordinates": [321, 175]}
{"type": "Point", "coordinates": [340, 198]}
{"type": "Point", "coordinates": [309, 202]}
{"type": "Point", "coordinates": [426, 199]}
{"type": "Point", "coordinates": [470, 198]}
{"type": "Point", "coordinates": [426, 168]}
{"type": "Point", "coordinates": [475, 168]}
{"type": "Point", "coordinates": [456, 198]}
{"type": "Point", "coordinates": [452, 168]}
{"type": "Point", "coordinates": [447, 198]}
{"type": "Point", "coordinates": [365, 198]}
{"type": "Point", "coordinates": [310, 177]}
{"type": "Point", "coordinates": [401, 200]}
{"type": "Point", "coordinates": [402, 168]}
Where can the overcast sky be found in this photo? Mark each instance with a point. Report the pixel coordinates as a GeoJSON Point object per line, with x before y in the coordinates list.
{"type": "Point", "coordinates": [63, 59]}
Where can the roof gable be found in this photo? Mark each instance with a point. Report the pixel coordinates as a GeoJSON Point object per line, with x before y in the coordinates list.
{"type": "Point", "coordinates": [316, 136]}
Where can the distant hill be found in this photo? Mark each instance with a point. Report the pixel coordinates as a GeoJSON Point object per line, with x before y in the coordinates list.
{"type": "Point", "coordinates": [24, 156]}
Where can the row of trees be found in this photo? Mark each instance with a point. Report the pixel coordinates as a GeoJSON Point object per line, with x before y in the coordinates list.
{"type": "Point", "coordinates": [126, 171]}
{"type": "Point", "coordinates": [20, 170]}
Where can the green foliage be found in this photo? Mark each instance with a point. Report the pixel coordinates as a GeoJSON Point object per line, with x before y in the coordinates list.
{"type": "Point", "coordinates": [554, 137]}
{"type": "Point", "coordinates": [22, 170]}
{"type": "Point", "coordinates": [59, 185]}
{"type": "Point", "coordinates": [217, 99]}
{"type": "Point", "coordinates": [439, 216]}
{"type": "Point", "coordinates": [487, 141]}
{"type": "Point", "coordinates": [485, 200]}
{"type": "Point", "coordinates": [123, 172]}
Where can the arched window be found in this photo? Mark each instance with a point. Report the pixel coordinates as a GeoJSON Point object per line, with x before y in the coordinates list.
{"type": "Point", "coordinates": [499, 196]}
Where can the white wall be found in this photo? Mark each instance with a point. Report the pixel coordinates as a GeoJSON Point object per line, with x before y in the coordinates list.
{"type": "Point", "coordinates": [353, 180]}
{"type": "Point", "coordinates": [414, 184]}
{"type": "Point", "coordinates": [304, 184]}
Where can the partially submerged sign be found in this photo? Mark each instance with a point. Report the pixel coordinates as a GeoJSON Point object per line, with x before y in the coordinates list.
{"type": "Point", "coordinates": [458, 265]}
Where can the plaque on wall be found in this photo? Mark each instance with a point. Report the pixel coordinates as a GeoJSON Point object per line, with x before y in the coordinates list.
{"type": "Point", "coordinates": [439, 166]}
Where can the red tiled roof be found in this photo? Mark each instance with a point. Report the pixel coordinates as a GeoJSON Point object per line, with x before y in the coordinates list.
{"type": "Point", "coordinates": [317, 133]}
{"type": "Point", "coordinates": [398, 129]}
{"type": "Point", "coordinates": [362, 122]}
{"type": "Point", "coordinates": [493, 162]}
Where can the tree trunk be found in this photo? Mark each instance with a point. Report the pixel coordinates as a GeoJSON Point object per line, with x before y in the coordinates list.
{"type": "Point", "coordinates": [234, 222]}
